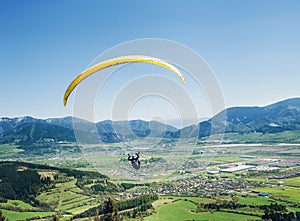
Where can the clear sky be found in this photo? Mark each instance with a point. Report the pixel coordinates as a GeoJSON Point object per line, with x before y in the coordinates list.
{"type": "Point", "coordinates": [253, 46]}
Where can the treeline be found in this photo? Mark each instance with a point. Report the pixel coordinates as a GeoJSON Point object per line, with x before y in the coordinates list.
{"type": "Point", "coordinates": [69, 172]}
{"type": "Point", "coordinates": [274, 211]}
{"type": "Point", "coordinates": [277, 212]}
{"type": "Point", "coordinates": [201, 207]}
{"type": "Point", "coordinates": [140, 210]}
{"type": "Point", "coordinates": [276, 216]}
{"type": "Point", "coordinates": [131, 185]}
{"type": "Point", "coordinates": [141, 202]}
{"type": "Point", "coordinates": [134, 202]}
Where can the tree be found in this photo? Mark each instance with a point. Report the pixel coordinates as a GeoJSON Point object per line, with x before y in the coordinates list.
{"type": "Point", "coordinates": [2, 218]}
{"type": "Point", "coordinates": [111, 212]}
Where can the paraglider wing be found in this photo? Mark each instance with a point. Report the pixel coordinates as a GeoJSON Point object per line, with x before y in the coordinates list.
{"type": "Point", "coordinates": [117, 61]}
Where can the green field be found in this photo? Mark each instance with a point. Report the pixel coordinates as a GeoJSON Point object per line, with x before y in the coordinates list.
{"type": "Point", "coordinates": [256, 201]}
{"type": "Point", "coordinates": [8, 150]}
{"type": "Point", "coordinates": [290, 194]}
{"type": "Point", "coordinates": [68, 197]}
{"type": "Point", "coordinates": [293, 182]}
{"type": "Point", "coordinates": [182, 210]}
{"type": "Point", "coordinates": [13, 215]}
{"type": "Point", "coordinates": [17, 204]}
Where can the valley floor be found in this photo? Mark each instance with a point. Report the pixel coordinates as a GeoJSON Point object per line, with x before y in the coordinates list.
{"type": "Point", "coordinates": [193, 182]}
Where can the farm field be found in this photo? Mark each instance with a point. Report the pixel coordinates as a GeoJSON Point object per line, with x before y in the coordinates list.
{"type": "Point", "coordinates": [67, 197]}
{"type": "Point", "coordinates": [292, 182]}
{"type": "Point", "coordinates": [182, 210]}
{"type": "Point", "coordinates": [18, 204]}
{"type": "Point", "coordinates": [14, 215]}
{"type": "Point", "coordinates": [290, 194]}
{"type": "Point", "coordinates": [256, 201]}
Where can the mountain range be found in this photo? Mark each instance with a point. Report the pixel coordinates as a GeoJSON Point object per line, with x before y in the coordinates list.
{"type": "Point", "coordinates": [274, 118]}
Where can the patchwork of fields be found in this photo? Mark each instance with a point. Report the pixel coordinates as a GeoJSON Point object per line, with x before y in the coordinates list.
{"type": "Point", "coordinates": [175, 175]}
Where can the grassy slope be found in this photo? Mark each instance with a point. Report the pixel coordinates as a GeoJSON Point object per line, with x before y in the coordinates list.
{"type": "Point", "coordinates": [64, 197]}
{"type": "Point", "coordinates": [181, 210]}
{"type": "Point", "coordinates": [68, 197]}
{"type": "Point", "coordinates": [18, 204]}
{"type": "Point", "coordinates": [13, 215]}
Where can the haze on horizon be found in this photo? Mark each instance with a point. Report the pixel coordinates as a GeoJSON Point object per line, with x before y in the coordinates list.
{"type": "Point", "coordinates": [252, 47]}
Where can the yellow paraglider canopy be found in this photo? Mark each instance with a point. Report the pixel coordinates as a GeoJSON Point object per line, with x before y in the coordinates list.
{"type": "Point", "coordinates": [116, 61]}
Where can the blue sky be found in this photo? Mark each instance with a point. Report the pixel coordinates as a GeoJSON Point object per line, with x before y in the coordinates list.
{"type": "Point", "coordinates": [253, 47]}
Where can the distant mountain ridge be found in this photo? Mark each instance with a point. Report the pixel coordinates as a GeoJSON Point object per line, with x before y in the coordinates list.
{"type": "Point", "coordinates": [277, 117]}
{"type": "Point", "coordinates": [28, 130]}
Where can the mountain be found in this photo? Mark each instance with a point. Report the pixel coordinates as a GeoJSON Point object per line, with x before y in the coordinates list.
{"type": "Point", "coordinates": [116, 131]}
{"type": "Point", "coordinates": [28, 130]}
{"type": "Point", "coordinates": [138, 128]}
{"type": "Point", "coordinates": [277, 117]}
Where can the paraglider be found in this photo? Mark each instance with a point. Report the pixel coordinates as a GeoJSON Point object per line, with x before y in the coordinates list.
{"type": "Point", "coordinates": [135, 162]}
{"type": "Point", "coordinates": [117, 61]}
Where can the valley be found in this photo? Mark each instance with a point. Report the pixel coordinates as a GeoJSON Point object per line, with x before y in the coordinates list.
{"type": "Point", "coordinates": [68, 168]}
{"type": "Point", "coordinates": [181, 175]}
